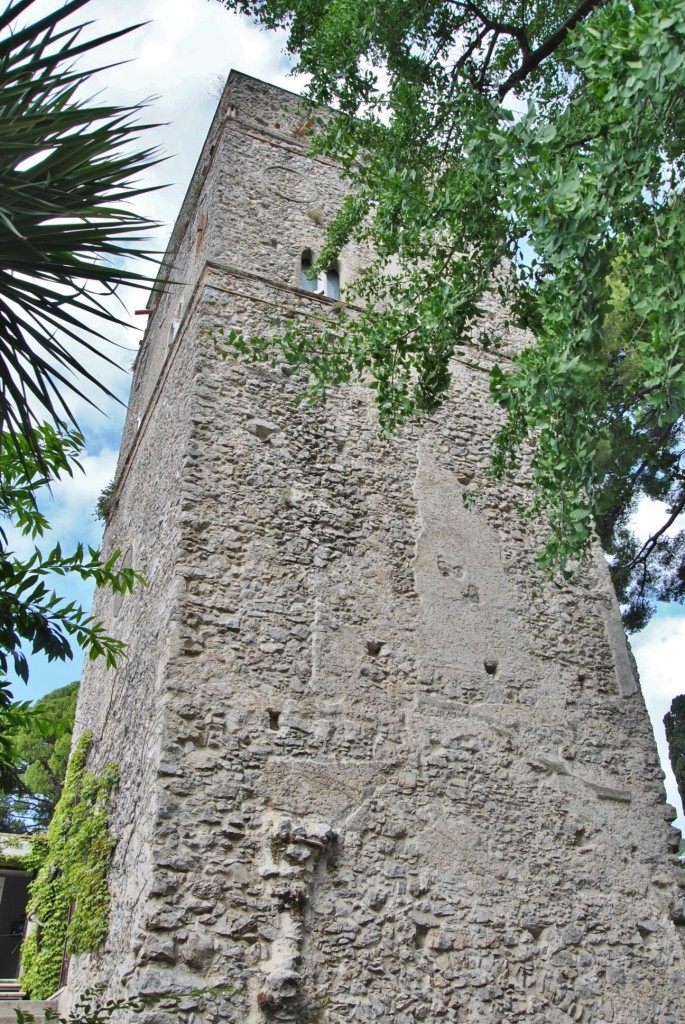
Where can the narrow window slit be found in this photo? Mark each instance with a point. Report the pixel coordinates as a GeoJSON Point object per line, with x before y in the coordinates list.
{"type": "Point", "coordinates": [306, 263]}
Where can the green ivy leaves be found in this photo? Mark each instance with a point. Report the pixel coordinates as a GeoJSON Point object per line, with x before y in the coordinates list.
{"type": "Point", "coordinates": [72, 863]}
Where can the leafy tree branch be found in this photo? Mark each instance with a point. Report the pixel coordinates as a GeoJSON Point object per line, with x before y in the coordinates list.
{"type": "Point", "coordinates": [570, 206]}
{"type": "Point", "coordinates": [33, 617]}
{"type": "Point", "coordinates": [69, 167]}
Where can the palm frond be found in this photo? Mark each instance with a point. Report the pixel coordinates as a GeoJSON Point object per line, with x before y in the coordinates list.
{"type": "Point", "coordinates": [69, 168]}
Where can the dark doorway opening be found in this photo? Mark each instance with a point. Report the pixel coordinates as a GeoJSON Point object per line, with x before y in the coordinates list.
{"type": "Point", "coordinates": [13, 900]}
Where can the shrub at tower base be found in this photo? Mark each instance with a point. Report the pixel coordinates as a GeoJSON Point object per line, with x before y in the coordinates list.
{"type": "Point", "coordinates": [72, 862]}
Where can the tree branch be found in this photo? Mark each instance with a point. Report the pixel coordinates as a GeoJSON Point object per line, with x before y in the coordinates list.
{"type": "Point", "coordinates": [486, 62]}
{"type": "Point", "coordinates": [649, 545]}
{"type": "Point", "coordinates": [502, 28]}
{"type": "Point", "coordinates": [534, 59]}
{"type": "Point", "coordinates": [470, 50]}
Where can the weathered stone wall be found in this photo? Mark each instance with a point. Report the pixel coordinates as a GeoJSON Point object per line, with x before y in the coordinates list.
{"type": "Point", "coordinates": [125, 709]}
{"type": "Point", "coordinates": [367, 774]}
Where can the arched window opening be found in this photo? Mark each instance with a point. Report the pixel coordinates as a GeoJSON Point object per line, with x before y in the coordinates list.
{"type": "Point", "coordinates": [332, 283]}
{"type": "Point", "coordinates": [306, 264]}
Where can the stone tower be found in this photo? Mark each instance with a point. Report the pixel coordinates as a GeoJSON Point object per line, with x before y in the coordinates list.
{"type": "Point", "coordinates": [365, 774]}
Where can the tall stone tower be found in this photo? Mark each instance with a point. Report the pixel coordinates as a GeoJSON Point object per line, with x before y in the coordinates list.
{"type": "Point", "coordinates": [365, 774]}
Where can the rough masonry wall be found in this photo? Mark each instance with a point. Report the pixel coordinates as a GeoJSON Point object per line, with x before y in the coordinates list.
{"type": "Point", "coordinates": [370, 776]}
{"type": "Point", "coordinates": [125, 708]}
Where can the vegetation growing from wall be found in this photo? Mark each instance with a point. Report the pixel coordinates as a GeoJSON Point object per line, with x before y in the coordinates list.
{"type": "Point", "coordinates": [72, 861]}
{"type": "Point", "coordinates": [103, 506]}
{"type": "Point", "coordinates": [92, 1008]}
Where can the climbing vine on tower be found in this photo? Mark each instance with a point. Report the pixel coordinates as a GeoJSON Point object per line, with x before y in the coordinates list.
{"type": "Point", "coordinates": [72, 863]}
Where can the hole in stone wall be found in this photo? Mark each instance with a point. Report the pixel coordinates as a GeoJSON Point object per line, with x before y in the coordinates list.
{"type": "Point", "coordinates": [274, 717]}
{"type": "Point", "coordinates": [678, 913]}
{"type": "Point", "coordinates": [490, 665]}
{"type": "Point", "coordinates": [584, 677]}
{"type": "Point", "coordinates": [647, 930]}
{"type": "Point", "coordinates": [173, 331]}
{"type": "Point", "coordinates": [420, 936]}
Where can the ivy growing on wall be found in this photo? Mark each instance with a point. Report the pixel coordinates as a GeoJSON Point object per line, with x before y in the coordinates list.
{"type": "Point", "coordinates": [72, 862]}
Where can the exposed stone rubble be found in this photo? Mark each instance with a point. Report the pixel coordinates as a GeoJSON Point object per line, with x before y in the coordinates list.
{"type": "Point", "coordinates": [372, 770]}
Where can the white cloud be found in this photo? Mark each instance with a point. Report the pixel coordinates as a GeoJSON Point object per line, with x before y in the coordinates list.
{"type": "Point", "coordinates": [660, 653]}
{"type": "Point", "coordinates": [69, 505]}
{"type": "Point", "coordinates": [649, 516]}
{"type": "Point", "coordinates": [71, 510]}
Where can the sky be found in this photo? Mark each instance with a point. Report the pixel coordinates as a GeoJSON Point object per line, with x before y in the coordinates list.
{"type": "Point", "coordinates": [178, 61]}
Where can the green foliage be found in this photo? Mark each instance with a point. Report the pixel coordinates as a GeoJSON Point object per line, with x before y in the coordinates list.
{"type": "Point", "coordinates": [42, 758]}
{"type": "Point", "coordinates": [604, 407]}
{"type": "Point", "coordinates": [674, 722]}
{"type": "Point", "coordinates": [72, 862]}
{"type": "Point", "coordinates": [32, 616]}
{"type": "Point", "coordinates": [536, 149]}
{"type": "Point", "coordinates": [15, 716]}
{"type": "Point", "coordinates": [29, 611]}
{"type": "Point", "coordinates": [68, 171]}
{"type": "Point", "coordinates": [103, 505]}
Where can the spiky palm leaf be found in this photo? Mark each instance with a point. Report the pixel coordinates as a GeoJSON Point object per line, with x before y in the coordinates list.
{"type": "Point", "coordinates": [68, 167]}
